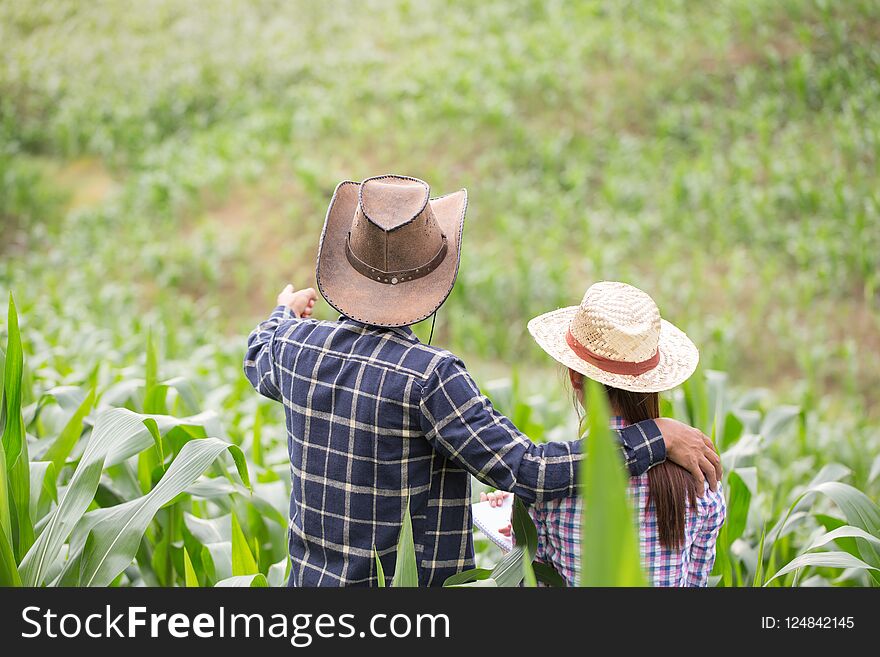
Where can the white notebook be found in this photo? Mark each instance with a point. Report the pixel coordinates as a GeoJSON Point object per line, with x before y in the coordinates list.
{"type": "Point", "coordinates": [489, 520]}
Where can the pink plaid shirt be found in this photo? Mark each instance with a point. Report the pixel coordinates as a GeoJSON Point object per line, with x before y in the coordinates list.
{"type": "Point", "coordinates": [559, 533]}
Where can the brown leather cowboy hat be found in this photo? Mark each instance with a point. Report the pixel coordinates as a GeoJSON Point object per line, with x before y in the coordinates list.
{"type": "Point", "coordinates": [389, 253]}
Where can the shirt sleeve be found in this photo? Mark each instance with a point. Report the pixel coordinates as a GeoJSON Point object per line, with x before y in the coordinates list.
{"type": "Point", "coordinates": [259, 365]}
{"type": "Point", "coordinates": [702, 552]}
{"type": "Point", "coordinates": [460, 423]}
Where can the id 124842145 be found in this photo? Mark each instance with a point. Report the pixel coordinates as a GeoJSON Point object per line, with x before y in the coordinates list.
{"type": "Point", "coordinates": [808, 623]}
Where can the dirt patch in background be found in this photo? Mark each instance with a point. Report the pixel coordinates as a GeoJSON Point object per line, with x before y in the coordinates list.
{"type": "Point", "coordinates": [267, 233]}
{"type": "Point", "coordinates": [88, 182]}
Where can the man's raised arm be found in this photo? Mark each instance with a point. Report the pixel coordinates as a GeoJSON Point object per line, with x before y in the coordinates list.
{"type": "Point", "coordinates": [461, 424]}
{"type": "Point", "coordinates": [259, 361]}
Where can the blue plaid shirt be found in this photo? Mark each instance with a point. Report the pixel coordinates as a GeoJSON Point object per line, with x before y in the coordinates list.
{"type": "Point", "coordinates": [375, 417]}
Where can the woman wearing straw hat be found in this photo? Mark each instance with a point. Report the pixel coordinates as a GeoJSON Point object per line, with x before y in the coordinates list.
{"type": "Point", "coordinates": [616, 337]}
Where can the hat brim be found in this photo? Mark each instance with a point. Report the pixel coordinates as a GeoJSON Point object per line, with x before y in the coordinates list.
{"type": "Point", "coordinates": [678, 354]}
{"type": "Point", "coordinates": [380, 304]}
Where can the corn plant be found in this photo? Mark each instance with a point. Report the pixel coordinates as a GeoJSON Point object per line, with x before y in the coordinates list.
{"type": "Point", "coordinates": [609, 534]}
{"type": "Point", "coordinates": [116, 496]}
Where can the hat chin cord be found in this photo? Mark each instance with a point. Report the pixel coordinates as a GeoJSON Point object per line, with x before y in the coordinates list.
{"type": "Point", "coordinates": [433, 321]}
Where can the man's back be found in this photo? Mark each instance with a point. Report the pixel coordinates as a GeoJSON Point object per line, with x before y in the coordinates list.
{"type": "Point", "coordinates": [351, 395]}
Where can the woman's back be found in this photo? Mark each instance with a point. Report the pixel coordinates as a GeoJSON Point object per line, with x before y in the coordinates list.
{"type": "Point", "coordinates": [559, 535]}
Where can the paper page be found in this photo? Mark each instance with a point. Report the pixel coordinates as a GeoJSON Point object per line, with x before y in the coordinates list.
{"type": "Point", "coordinates": [489, 520]}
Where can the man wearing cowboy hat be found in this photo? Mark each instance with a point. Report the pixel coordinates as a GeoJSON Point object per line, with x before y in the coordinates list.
{"type": "Point", "coordinates": [376, 419]}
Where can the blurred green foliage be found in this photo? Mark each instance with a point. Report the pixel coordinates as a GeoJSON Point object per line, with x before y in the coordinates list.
{"type": "Point", "coordinates": [167, 166]}
{"type": "Point", "coordinates": [723, 156]}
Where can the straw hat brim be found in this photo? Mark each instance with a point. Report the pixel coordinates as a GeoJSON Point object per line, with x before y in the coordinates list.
{"type": "Point", "coordinates": [379, 304]}
{"type": "Point", "coordinates": [678, 354]}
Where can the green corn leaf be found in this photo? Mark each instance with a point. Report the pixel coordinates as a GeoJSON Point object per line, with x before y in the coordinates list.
{"type": "Point", "coordinates": [113, 428]}
{"type": "Point", "coordinates": [20, 503]}
{"type": "Point", "coordinates": [155, 400]}
{"type": "Point", "coordinates": [874, 474]}
{"type": "Point", "coordinates": [524, 531]}
{"type": "Point", "coordinates": [860, 512]}
{"type": "Point", "coordinates": [186, 394]}
{"type": "Point", "coordinates": [153, 427]}
{"type": "Point", "coordinates": [189, 574]}
{"type": "Point", "coordinates": [846, 531]}
{"type": "Point", "coordinates": [466, 576]}
{"type": "Point", "coordinates": [243, 562]}
{"type": "Point", "coordinates": [116, 532]}
{"type": "Point", "coordinates": [739, 499]}
{"type": "Point", "coordinates": [609, 538]}
{"type": "Point", "coordinates": [244, 581]}
{"type": "Point", "coordinates": [406, 570]}
{"type": "Point", "coordinates": [160, 561]}
{"type": "Point", "coordinates": [13, 430]}
{"type": "Point", "coordinates": [14, 442]}
{"type": "Point", "coordinates": [529, 579]}
{"type": "Point", "coordinates": [279, 572]}
{"type": "Point", "coordinates": [509, 571]}
{"type": "Point", "coordinates": [155, 393]}
{"type": "Point", "coordinates": [380, 571]}
{"type": "Point", "coordinates": [759, 569]}
{"type": "Point", "coordinates": [151, 373]}
{"type": "Point", "coordinates": [828, 472]}
{"type": "Point", "coordinates": [44, 489]}
{"type": "Point", "coordinates": [479, 583]}
{"type": "Point", "coordinates": [696, 399]}
{"type": "Point", "coordinates": [830, 523]}
{"type": "Point", "coordinates": [723, 559]}
{"type": "Point", "coordinates": [5, 511]}
{"type": "Point", "coordinates": [733, 430]}
{"type": "Point", "coordinates": [777, 420]}
{"type": "Point", "coordinates": [118, 434]}
{"type": "Point", "coordinates": [218, 559]}
{"type": "Point", "coordinates": [61, 448]}
{"type": "Point", "coordinates": [8, 568]}
{"type": "Point", "coordinates": [209, 530]}
{"type": "Point", "coordinates": [822, 560]}
{"type": "Point", "coordinates": [548, 575]}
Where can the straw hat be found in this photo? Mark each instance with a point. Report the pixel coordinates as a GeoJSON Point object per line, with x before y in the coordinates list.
{"type": "Point", "coordinates": [389, 253]}
{"type": "Point", "coordinates": [616, 337]}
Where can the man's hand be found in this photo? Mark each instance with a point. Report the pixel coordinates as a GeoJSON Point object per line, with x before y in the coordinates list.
{"type": "Point", "coordinates": [692, 450]}
{"type": "Point", "coordinates": [301, 302]}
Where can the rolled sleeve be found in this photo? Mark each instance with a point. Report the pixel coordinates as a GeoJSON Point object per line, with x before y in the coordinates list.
{"type": "Point", "coordinates": [642, 446]}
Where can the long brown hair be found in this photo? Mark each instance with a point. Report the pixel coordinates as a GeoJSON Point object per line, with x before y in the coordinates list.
{"type": "Point", "coordinates": [670, 487]}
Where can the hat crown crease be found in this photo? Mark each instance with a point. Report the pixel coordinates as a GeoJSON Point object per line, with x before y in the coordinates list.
{"type": "Point", "coordinates": [394, 227]}
{"type": "Point", "coordinates": [618, 322]}
{"type": "Point", "coordinates": [390, 202]}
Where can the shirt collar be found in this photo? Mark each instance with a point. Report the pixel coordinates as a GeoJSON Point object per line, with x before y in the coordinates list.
{"type": "Point", "coordinates": [617, 422]}
{"type": "Point", "coordinates": [403, 331]}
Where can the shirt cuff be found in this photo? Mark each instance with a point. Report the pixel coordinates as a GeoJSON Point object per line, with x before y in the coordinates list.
{"type": "Point", "coordinates": [645, 445]}
{"type": "Point", "coordinates": [283, 312]}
